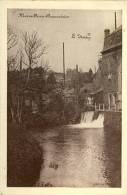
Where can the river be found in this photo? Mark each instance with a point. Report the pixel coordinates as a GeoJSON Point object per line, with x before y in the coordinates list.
{"type": "Point", "coordinates": [79, 157]}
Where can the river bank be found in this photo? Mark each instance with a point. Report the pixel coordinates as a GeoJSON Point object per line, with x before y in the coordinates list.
{"type": "Point", "coordinates": [24, 158]}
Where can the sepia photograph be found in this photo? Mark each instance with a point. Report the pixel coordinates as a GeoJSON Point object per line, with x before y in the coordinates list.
{"type": "Point", "coordinates": [64, 98]}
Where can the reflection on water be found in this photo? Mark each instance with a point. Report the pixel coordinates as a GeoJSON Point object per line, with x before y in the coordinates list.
{"type": "Point", "coordinates": [76, 157]}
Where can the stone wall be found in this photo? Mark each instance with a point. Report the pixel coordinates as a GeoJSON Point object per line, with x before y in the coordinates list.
{"type": "Point", "coordinates": [113, 120]}
{"type": "Point", "coordinates": [113, 141]}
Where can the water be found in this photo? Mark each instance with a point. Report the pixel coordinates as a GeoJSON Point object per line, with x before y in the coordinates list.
{"type": "Point", "coordinates": [87, 117]}
{"type": "Point", "coordinates": [80, 157]}
{"type": "Point", "coordinates": [88, 121]}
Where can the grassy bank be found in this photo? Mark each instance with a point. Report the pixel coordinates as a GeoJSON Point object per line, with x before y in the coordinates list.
{"type": "Point", "coordinates": [24, 158]}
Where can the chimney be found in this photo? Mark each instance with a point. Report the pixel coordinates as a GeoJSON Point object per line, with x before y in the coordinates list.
{"type": "Point", "coordinates": [106, 32]}
{"type": "Point", "coordinates": [76, 68]}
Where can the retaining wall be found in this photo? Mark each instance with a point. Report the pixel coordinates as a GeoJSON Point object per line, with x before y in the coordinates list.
{"type": "Point", "coordinates": [113, 120]}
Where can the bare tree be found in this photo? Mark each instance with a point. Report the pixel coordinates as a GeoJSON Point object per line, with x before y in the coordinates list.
{"type": "Point", "coordinates": [12, 41]}
{"type": "Point", "coordinates": [34, 49]}
{"type": "Point", "coordinates": [45, 65]}
{"type": "Point", "coordinates": [28, 54]}
{"type": "Point", "coordinates": [12, 38]}
{"type": "Point", "coordinates": [15, 87]}
{"type": "Point", "coordinates": [12, 62]}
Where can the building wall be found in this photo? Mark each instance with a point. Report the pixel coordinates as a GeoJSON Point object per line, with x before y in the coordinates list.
{"type": "Point", "coordinates": [119, 54]}
{"type": "Point", "coordinates": [111, 70]}
{"type": "Point", "coordinates": [97, 80]}
{"type": "Point", "coordinates": [112, 77]}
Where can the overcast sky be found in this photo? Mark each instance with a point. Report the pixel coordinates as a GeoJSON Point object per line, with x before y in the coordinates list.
{"type": "Point", "coordinates": [55, 31]}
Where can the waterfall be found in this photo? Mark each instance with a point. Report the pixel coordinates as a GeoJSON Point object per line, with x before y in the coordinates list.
{"type": "Point", "coordinates": [90, 120]}
{"type": "Point", "coordinates": [87, 117]}
{"type": "Point", "coordinates": [87, 120]}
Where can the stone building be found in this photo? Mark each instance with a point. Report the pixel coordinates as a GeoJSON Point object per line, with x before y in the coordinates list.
{"type": "Point", "coordinates": [98, 93]}
{"type": "Point", "coordinates": [111, 68]}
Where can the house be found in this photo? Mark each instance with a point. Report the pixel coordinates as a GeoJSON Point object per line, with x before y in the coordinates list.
{"type": "Point", "coordinates": [59, 77]}
{"type": "Point", "coordinates": [86, 96]}
{"type": "Point", "coordinates": [98, 91]}
{"type": "Point", "coordinates": [69, 95]}
{"type": "Point", "coordinates": [111, 68]}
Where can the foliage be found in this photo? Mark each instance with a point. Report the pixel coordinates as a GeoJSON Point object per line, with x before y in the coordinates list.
{"type": "Point", "coordinates": [51, 81]}
{"type": "Point", "coordinates": [19, 80]}
{"type": "Point", "coordinates": [70, 113]}
{"type": "Point", "coordinates": [12, 38]}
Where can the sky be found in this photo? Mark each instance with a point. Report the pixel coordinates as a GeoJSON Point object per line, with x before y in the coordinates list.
{"type": "Point", "coordinates": [57, 26]}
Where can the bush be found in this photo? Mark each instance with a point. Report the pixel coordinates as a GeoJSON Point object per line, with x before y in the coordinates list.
{"type": "Point", "coordinates": [71, 113]}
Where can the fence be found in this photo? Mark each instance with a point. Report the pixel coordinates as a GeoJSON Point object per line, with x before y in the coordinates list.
{"type": "Point", "coordinates": [103, 107]}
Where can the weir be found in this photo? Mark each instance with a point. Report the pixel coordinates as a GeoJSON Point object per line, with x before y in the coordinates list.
{"type": "Point", "coordinates": [89, 120]}
{"type": "Point", "coordinates": [87, 117]}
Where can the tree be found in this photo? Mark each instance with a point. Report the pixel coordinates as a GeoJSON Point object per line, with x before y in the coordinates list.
{"type": "Point", "coordinates": [29, 54]}
{"type": "Point", "coordinates": [44, 65]}
{"type": "Point", "coordinates": [12, 41]}
{"type": "Point", "coordinates": [12, 38]}
{"type": "Point", "coordinates": [34, 49]}
{"type": "Point", "coordinates": [51, 81]}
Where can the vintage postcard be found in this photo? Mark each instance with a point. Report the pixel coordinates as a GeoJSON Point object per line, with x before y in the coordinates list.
{"type": "Point", "coordinates": [63, 121]}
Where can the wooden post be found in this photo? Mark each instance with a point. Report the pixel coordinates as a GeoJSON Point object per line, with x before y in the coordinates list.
{"type": "Point", "coordinates": [103, 107]}
{"type": "Point", "coordinates": [63, 65]}
{"type": "Point", "coordinates": [109, 106]}
{"type": "Point", "coordinates": [115, 107]}
{"type": "Point", "coordinates": [115, 21]}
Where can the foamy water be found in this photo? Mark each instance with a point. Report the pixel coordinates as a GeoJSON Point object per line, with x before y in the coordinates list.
{"type": "Point", "coordinates": [88, 122]}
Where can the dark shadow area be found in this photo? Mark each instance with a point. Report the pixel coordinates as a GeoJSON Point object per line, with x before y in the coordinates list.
{"type": "Point", "coordinates": [24, 158]}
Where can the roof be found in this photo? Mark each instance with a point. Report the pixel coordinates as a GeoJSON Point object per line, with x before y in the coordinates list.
{"type": "Point", "coordinates": [113, 40]}
{"type": "Point", "coordinates": [86, 77]}
{"type": "Point", "coordinates": [58, 76]}
{"type": "Point", "coordinates": [97, 91]}
{"type": "Point", "coordinates": [88, 87]}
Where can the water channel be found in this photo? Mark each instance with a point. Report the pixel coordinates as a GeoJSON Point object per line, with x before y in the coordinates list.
{"type": "Point", "coordinates": [77, 156]}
